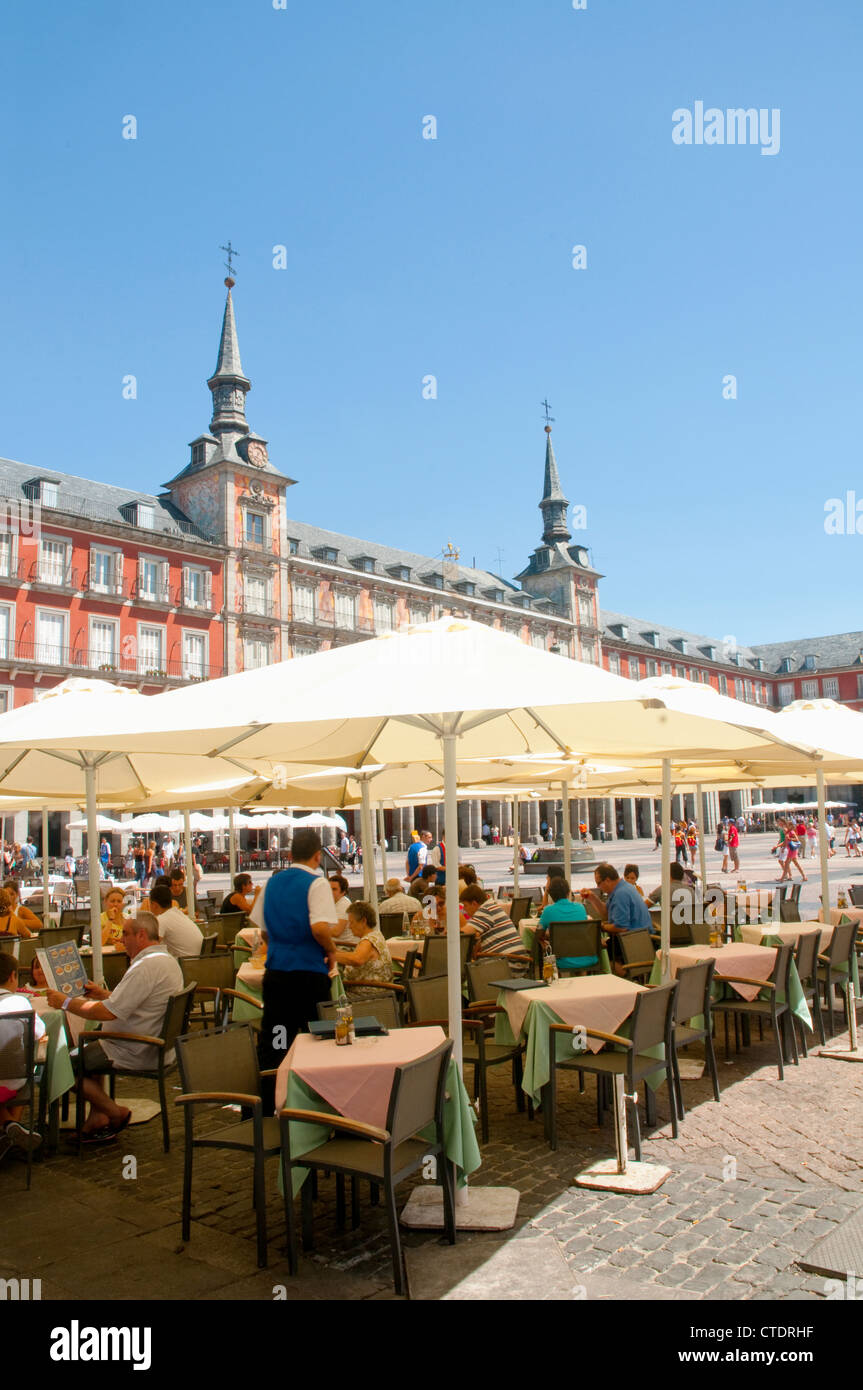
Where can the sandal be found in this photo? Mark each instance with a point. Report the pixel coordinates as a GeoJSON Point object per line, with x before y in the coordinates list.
{"type": "Point", "coordinates": [118, 1128]}
{"type": "Point", "coordinates": [105, 1135]}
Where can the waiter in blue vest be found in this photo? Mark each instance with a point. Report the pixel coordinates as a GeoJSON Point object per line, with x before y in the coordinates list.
{"type": "Point", "coordinates": [298, 913]}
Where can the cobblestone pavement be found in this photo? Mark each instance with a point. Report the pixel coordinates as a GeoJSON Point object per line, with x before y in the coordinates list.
{"type": "Point", "coordinates": [755, 1181]}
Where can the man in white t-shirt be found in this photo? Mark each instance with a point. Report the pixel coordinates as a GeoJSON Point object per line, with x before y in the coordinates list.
{"type": "Point", "coordinates": [137, 1005]}
{"type": "Point", "coordinates": [181, 935]}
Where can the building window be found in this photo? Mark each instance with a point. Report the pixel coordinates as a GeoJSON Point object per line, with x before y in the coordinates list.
{"type": "Point", "coordinates": [614, 663]}
{"type": "Point", "coordinates": [194, 656]}
{"type": "Point", "coordinates": [196, 586]}
{"type": "Point", "coordinates": [255, 530]}
{"type": "Point", "coordinates": [6, 557]}
{"type": "Point", "coordinates": [151, 651]}
{"type": "Point", "coordinates": [384, 615]}
{"type": "Point", "coordinates": [103, 644]}
{"type": "Point", "coordinates": [7, 632]}
{"type": "Point", "coordinates": [346, 610]}
{"type": "Point", "coordinates": [650, 666]}
{"type": "Point", "coordinates": [723, 683]}
{"type": "Point", "coordinates": [830, 687]}
{"type": "Point", "coordinates": [666, 668]}
{"type": "Point", "coordinates": [786, 692]}
{"type": "Point", "coordinates": [104, 571]}
{"type": "Point", "coordinates": [293, 545]}
{"type": "Point", "coordinates": [860, 687]}
{"type": "Point", "coordinates": [5, 699]}
{"type": "Point", "coordinates": [50, 638]}
{"type": "Point", "coordinates": [809, 690]}
{"type": "Point", "coordinates": [537, 639]}
{"type": "Point", "coordinates": [304, 603]}
{"type": "Point", "coordinates": [49, 494]}
{"type": "Point", "coordinates": [146, 516]}
{"type": "Point", "coordinates": [257, 594]}
{"type": "Point", "coordinates": [257, 653]}
{"type": "Point", "coordinates": [52, 561]}
{"type": "Point", "coordinates": [585, 610]}
{"type": "Point", "coordinates": [153, 579]}
{"type": "Point", "coordinates": [304, 648]}
{"type": "Point", "coordinates": [809, 663]}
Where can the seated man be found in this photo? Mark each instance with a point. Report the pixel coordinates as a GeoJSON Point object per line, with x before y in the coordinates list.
{"type": "Point", "coordinates": [12, 1053]}
{"type": "Point", "coordinates": [486, 920]}
{"type": "Point", "coordinates": [683, 895]}
{"type": "Point", "coordinates": [624, 909]}
{"type": "Point", "coordinates": [243, 896]}
{"type": "Point", "coordinates": [178, 887]}
{"type": "Point", "coordinates": [137, 1005]}
{"type": "Point", "coordinates": [397, 900]}
{"type": "Point", "coordinates": [423, 886]}
{"type": "Point", "coordinates": [181, 935]}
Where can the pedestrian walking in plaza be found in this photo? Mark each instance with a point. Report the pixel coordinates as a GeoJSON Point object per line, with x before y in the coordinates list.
{"type": "Point", "coordinates": [734, 846]}
{"type": "Point", "coordinates": [721, 846]}
{"type": "Point", "coordinates": [657, 836]}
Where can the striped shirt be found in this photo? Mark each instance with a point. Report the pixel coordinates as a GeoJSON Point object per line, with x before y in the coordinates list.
{"type": "Point", "coordinates": [497, 935]}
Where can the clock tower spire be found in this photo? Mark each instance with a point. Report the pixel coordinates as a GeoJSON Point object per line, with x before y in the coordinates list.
{"type": "Point", "coordinates": [228, 384]}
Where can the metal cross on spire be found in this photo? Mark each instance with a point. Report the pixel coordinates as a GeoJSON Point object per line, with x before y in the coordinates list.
{"type": "Point", "coordinates": [231, 253]}
{"type": "Point", "coordinates": [546, 407]}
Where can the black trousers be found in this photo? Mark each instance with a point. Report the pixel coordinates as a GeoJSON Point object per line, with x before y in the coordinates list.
{"type": "Point", "coordinates": [290, 998]}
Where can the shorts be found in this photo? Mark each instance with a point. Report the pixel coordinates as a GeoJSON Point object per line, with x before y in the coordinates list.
{"type": "Point", "coordinates": [96, 1060]}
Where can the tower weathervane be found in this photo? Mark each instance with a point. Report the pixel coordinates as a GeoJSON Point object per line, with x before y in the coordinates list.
{"type": "Point", "coordinates": [231, 253]}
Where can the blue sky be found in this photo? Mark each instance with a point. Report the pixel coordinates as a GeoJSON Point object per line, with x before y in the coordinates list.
{"type": "Point", "coordinates": [452, 257]}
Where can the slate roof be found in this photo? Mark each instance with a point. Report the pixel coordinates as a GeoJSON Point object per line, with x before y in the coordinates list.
{"type": "Point", "coordinates": [98, 501]}
{"type": "Point", "coordinates": [841, 649]}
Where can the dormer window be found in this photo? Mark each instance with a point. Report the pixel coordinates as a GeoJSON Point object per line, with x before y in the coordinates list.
{"type": "Point", "coordinates": [757, 663]}
{"type": "Point", "coordinates": [293, 545]}
{"type": "Point", "coordinates": [146, 515]}
{"type": "Point", "coordinates": [709, 652]}
{"type": "Point", "coordinates": [199, 455]}
{"type": "Point", "coordinates": [785, 665]}
{"type": "Point", "coordinates": [434, 580]}
{"type": "Point", "coordinates": [364, 563]}
{"type": "Point", "coordinates": [620, 630]}
{"type": "Point", "coordinates": [466, 587]}
{"type": "Point", "coordinates": [43, 490]}
{"type": "Point", "coordinates": [496, 595]}
{"type": "Point", "coordinates": [809, 663]}
{"type": "Point", "coordinates": [327, 553]}
{"type": "Point", "coordinates": [680, 644]}
{"type": "Point", "coordinates": [652, 638]}
{"type": "Point", "coordinates": [401, 572]}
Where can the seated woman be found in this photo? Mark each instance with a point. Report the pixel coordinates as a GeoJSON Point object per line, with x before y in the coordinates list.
{"type": "Point", "coordinates": [112, 919]}
{"type": "Point", "coordinates": [12, 1132]}
{"type": "Point", "coordinates": [30, 920]}
{"type": "Point", "coordinates": [10, 924]}
{"type": "Point", "coordinates": [241, 898]}
{"type": "Point", "coordinates": [494, 932]}
{"type": "Point", "coordinates": [630, 873]}
{"type": "Point", "coordinates": [370, 960]}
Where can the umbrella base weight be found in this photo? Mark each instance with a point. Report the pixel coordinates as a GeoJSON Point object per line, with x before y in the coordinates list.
{"type": "Point", "coordinates": [486, 1209]}
{"type": "Point", "coordinates": [640, 1179]}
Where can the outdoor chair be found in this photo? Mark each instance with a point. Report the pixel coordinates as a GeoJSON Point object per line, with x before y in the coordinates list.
{"type": "Point", "coordinates": [221, 1068]}
{"type": "Point", "coordinates": [387, 1010]}
{"type": "Point", "coordinates": [856, 891]}
{"type": "Point", "coordinates": [211, 975]}
{"type": "Point", "coordinates": [433, 960]}
{"type": "Point", "coordinates": [651, 1027]}
{"type": "Point", "coordinates": [226, 925]}
{"type": "Point", "coordinates": [383, 1156]}
{"type": "Point", "coordinates": [794, 893]}
{"type": "Point", "coordinates": [576, 946]}
{"type": "Point", "coordinates": [806, 960]}
{"type": "Point", "coordinates": [114, 967]}
{"type": "Point", "coordinates": [770, 1009]}
{"type": "Point", "coordinates": [480, 975]}
{"type": "Point", "coordinates": [27, 948]}
{"type": "Point", "coordinates": [17, 1059]}
{"type": "Point", "coordinates": [208, 943]}
{"type": "Point", "coordinates": [694, 985]}
{"type": "Point", "coordinates": [429, 1004]}
{"type": "Point", "coordinates": [225, 1006]}
{"type": "Point", "coordinates": [520, 909]}
{"type": "Point", "coordinates": [393, 923]}
{"type": "Point", "coordinates": [55, 936]}
{"type": "Point", "coordinates": [789, 911]}
{"type": "Point", "coordinates": [835, 963]}
{"type": "Point", "coordinates": [174, 1023]}
{"type": "Point", "coordinates": [637, 954]}
{"type": "Point", "coordinates": [356, 892]}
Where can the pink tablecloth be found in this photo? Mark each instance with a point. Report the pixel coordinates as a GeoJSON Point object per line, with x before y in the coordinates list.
{"type": "Point", "coordinates": [356, 1081]}
{"type": "Point", "coordinates": [591, 1001]}
{"type": "Point", "coordinates": [755, 932]}
{"type": "Point", "coordinates": [738, 958]}
{"type": "Point", "coordinates": [837, 913]}
{"type": "Point", "coordinates": [398, 946]}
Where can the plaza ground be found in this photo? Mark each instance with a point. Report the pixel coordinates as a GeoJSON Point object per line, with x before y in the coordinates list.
{"type": "Point", "coordinates": [755, 1181]}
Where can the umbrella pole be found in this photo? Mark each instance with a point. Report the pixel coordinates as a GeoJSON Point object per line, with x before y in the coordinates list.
{"type": "Point", "coordinates": [453, 924]}
{"type": "Point", "coordinates": [367, 836]}
{"type": "Point", "coordinates": [822, 846]}
{"type": "Point", "coordinates": [93, 864]}
{"type": "Point", "coordinates": [232, 848]}
{"type": "Point", "coordinates": [702, 830]}
{"type": "Point", "coordinates": [382, 836]}
{"type": "Point", "coordinates": [516, 863]}
{"type": "Point", "coordinates": [665, 914]}
{"type": "Point", "coordinates": [567, 842]}
{"type": "Point", "coordinates": [46, 887]}
{"type": "Point", "coordinates": [190, 866]}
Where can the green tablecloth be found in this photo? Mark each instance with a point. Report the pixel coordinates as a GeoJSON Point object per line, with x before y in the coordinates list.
{"type": "Point", "coordinates": [458, 1124]}
{"type": "Point", "coordinates": [798, 1004]}
{"type": "Point", "coordinates": [59, 1076]}
{"type": "Point", "coordinates": [247, 1013]}
{"type": "Point", "coordinates": [838, 970]}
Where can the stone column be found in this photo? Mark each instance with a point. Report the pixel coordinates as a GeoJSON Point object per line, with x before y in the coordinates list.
{"type": "Point", "coordinates": [647, 817]}
{"type": "Point", "coordinates": [610, 813]}
{"type": "Point", "coordinates": [630, 818]}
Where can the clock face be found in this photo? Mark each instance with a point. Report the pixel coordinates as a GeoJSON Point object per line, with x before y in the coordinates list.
{"type": "Point", "coordinates": [257, 454]}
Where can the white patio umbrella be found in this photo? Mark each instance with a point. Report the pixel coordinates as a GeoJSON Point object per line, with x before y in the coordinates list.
{"type": "Point", "coordinates": [451, 687]}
